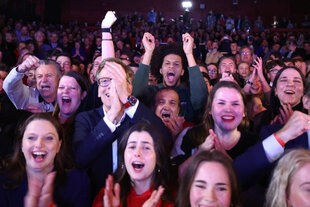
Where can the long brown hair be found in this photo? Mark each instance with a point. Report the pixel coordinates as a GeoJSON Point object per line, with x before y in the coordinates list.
{"type": "Point", "coordinates": [190, 173]}
{"type": "Point", "coordinates": [16, 165]}
{"type": "Point", "coordinates": [199, 133]}
{"type": "Point", "coordinates": [162, 169]}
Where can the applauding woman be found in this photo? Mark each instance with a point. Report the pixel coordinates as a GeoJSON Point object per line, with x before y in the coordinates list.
{"type": "Point", "coordinates": [143, 172]}
{"type": "Point", "coordinates": [39, 154]}
{"type": "Point", "coordinates": [225, 123]}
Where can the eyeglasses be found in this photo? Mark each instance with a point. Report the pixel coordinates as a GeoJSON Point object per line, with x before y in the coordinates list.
{"type": "Point", "coordinates": [246, 53]}
{"type": "Point", "coordinates": [123, 58]}
{"type": "Point", "coordinates": [104, 82]}
{"type": "Point", "coordinates": [273, 70]}
{"type": "Point", "coordinates": [212, 71]}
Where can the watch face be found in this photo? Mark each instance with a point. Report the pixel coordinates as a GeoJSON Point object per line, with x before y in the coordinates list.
{"type": "Point", "coordinates": [132, 100]}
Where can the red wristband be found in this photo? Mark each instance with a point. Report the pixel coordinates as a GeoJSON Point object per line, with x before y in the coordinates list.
{"type": "Point", "coordinates": [279, 140]}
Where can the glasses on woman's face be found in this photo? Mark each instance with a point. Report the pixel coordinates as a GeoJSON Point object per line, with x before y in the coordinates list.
{"type": "Point", "coordinates": [212, 71]}
{"type": "Point", "coordinates": [104, 82]}
{"type": "Point", "coordinates": [273, 71]}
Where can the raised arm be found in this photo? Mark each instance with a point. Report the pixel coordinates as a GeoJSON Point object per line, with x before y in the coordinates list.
{"type": "Point", "coordinates": [140, 81]}
{"type": "Point", "coordinates": [107, 46]}
{"type": "Point", "coordinates": [198, 88]}
{"type": "Point", "coordinates": [13, 85]}
{"type": "Point", "coordinates": [259, 67]}
{"type": "Point", "coordinates": [148, 42]}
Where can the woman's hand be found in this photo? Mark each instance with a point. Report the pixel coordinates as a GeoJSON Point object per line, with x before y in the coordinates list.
{"type": "Point", "coordinates": [108, 20]}
{"type": "Point", "coordinates": [40, 194]}
{"type": "Point", "coordinates": [209, 143]}
{"type": "Point", "coordinates": [286, 112]}
{"type": "Point", "coordinates": [155, 197]}
{"type": "Point", "coordinates": [110, 198]}
{"type": "Point", "coordinates": [258, 66]}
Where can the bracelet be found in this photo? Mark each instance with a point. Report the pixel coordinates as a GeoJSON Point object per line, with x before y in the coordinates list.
{"type": "Point", "coordinates": [106, 40]}
{"type": "Point", "coordinates": [281, 142]}
{"type": "Point", "coordinates": [249, 82]}
{"type": "Point", "coordinates": [106, 30]}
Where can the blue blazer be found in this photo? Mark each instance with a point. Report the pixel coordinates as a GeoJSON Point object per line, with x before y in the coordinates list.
{"type": "Point", "coordinates": [253, 163]}
{"type": "Point", "coordinates": [75, 192]}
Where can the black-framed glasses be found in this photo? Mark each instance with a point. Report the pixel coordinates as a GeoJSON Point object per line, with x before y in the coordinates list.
{"type": "Point", "coordinates": [104, 82]}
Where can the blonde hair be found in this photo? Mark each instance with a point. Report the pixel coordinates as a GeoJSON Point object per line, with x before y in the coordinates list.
{"type": "Point", "coordinates": [282, 177]}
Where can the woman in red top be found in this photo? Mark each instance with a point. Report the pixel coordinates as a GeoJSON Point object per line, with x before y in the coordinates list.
{"type": "Point", "coordinates": [143, 171]}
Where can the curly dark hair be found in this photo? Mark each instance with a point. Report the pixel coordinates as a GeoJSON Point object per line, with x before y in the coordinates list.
{"type": "Point", "coordinates": [161, 52]}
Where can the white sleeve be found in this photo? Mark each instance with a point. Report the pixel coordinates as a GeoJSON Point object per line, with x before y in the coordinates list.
{"type": "Point", "coordinates": [272, 148]}
{"type": "Point", "coordinates": [132, 110]}
{"type": "Point", "coordinates": [17, 92]}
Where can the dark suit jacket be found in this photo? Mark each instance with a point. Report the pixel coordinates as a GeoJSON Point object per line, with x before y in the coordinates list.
{"type": "Point", "coordinates": [92, 142]}
{"type": "Point", "coordinates": [254, 163]}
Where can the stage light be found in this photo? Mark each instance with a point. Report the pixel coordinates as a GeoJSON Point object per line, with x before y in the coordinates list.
{"type": "Point", "coordinates": [187, 5]}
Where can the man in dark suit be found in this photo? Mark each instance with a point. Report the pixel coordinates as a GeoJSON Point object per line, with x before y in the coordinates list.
{"type": "Point", "coordinates": [98, 131]}
{"type": "Point", "coordinates": [259, 159]}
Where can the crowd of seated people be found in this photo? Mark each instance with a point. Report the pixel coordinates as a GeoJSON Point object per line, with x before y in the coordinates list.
{"type": "Point", "coordinates": [139, 114]}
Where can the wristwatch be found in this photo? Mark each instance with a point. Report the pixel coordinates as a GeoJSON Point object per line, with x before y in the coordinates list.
{"type": "Point", "coordinates": [249, 82]}
{"type": "Point", "coordinates": [131, 101]}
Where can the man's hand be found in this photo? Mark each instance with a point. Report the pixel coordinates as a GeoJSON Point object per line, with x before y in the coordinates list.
{"type": "Point", "coordinates": [118, 74]}
{"type": "Point", "coordinates": [31, 61]}
{"type": "Point", "coordinates": [108, 20]}
{"type": "Point", "coordinates": [116, 106]}
{"type": "Point", "coordinates": [188, 43]}
{"type": "Point", "coordinates": [175, 125]}
{"type": "Point", "coordinates": [297, 124]}
{"type": "Point", "coordinates": [148, 42]}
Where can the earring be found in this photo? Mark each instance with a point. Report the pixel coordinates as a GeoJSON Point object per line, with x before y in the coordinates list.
{"type": "Point", "coordinates": [122, 166]}
{"type": "Point", "coordinates": [158, 170]}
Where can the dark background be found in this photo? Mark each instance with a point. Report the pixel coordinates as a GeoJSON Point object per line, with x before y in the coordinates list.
{"type": "Point", "coordinates": [62, 11]}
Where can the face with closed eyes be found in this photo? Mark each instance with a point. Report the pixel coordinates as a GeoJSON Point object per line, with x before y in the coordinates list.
{"type": "Point", "coordinates": [211, 186]}
{"type": "Point", "coordinates": [172, 70]}
{"type": "Point", "coordinates": [40, 144]}
{"type": "Point", "coordinates": [140, 157]}
{"type": "Point", "coordinates": [69, 96]}
{"type": "Point", "coordinates": [227, 109]}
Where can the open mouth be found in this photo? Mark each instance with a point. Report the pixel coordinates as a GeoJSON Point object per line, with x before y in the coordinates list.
{"type": "Point", "coordinates": [39, 156]}
{"type": "Point", "coordinates": [138, 166]}
{"type": "Point", "coordinates": [228, 118]}
{"type": "Point", "coordinates": [289, 92]}
{"type": "Point", "coordinates": [170, 76]}
{"type": "Point", "coordinates": [45, 87]}
{"type": "Point", "coordinates": [107, 95]}
{"type": "Point", "coordinates": [66, 99]}
{"type": "Point", "coordinates": [165, 115]}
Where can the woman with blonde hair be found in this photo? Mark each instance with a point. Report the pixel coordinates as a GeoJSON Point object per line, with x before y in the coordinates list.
{"type": "Point", "coordinates": [289, 185]}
